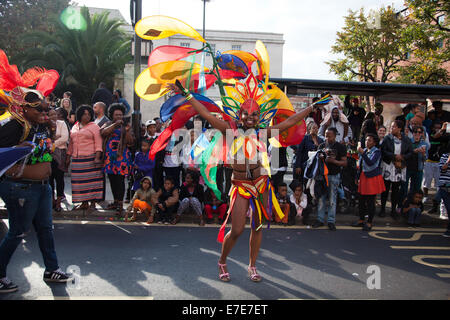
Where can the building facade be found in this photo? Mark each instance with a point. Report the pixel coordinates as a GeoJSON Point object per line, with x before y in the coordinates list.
{"type": "Point", "coordinates": [220, 40]}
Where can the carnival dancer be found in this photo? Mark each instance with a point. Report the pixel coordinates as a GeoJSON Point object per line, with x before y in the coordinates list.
{"type": "Point", "coordinates": [250, 181]}
{"type": "Point", "coordinates": [254, 111]}
{"type": "Point", "coordinates": [25, 186]}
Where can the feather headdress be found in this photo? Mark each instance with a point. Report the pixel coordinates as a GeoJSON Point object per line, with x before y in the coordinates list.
{"type": "Point", "coordinates": [14, 88]}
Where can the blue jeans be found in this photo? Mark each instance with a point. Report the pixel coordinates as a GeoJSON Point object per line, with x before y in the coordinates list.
{"type": "Point", "coordinates": [28, 204]}
{"type": "Point", "coordinates": [414, 215]}
{"type": "Point", "coordinates": [407, 187]}
{"type": "Point", "coordinates": [437, 196]}
{"type": "Point", "coordinates": [333, 184]}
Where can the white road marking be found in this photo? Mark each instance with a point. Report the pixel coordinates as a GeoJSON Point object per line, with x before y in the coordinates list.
{"type": "Point", "coordinates": [109, 222]}
{"type": "Point", "coordinates": [94, 298]}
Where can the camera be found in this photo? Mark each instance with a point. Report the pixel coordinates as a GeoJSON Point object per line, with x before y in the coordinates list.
{"type": "Point", "coordinates": [330, 153]}
{"type": "Point", "coordinates": [126, 121]}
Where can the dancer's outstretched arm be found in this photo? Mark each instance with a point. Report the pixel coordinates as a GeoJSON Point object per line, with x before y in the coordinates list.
{"type": "Point", "coordinates": [218, 124]}
{"type": "Point", "coordinates": [289, 122]}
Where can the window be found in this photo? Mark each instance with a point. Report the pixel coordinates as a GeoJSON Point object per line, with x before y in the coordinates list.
{"type": "Point", "coordinates": [146, 47]}
{"type": "Point", "coordinates": [185, 44]}
{"type": "Point", "coordinates": [408, 55]}
{"type": "Point", "coordinates": [441, 20]}
{"type": "Point", "coordinates": [236, 47]}
{"type": "Point", "coordinates": [440, 43]}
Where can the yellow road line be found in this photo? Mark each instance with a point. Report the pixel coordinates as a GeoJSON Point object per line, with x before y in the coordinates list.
{"type": "Point", "coordinates": [420, 259]}
{"type": "Point", "coordinates": [416, 236]}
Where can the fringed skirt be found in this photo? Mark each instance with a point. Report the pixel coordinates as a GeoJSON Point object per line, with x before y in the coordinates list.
{"type": "Point", "coordinates": [87, 180]}
{"type": "Point", "coordinates": [253, 190]}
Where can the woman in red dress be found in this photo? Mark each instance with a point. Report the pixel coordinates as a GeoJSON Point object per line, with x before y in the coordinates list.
{"type": "Point", "coordinates": [370, 181]}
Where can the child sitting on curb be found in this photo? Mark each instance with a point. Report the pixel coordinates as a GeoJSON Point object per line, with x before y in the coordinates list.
{"type": "Point", "coordinates": [167, 201]}
{"type": "Point", "coordinates": [142, 201]}
{"type": "Point", "coordinates": [214, 206]}
{"type": "Point", "coordinates": [191, 196]}
{"type": "Point", "coordinates": [285, 205]}
{"type": "Point", "coordinates": [413, 208]}
{"type": "Point", "coordinates": [300, 203]}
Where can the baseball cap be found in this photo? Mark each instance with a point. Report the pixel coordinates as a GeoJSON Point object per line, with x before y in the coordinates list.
{"type": "Point", "coordinates": [150, 122]}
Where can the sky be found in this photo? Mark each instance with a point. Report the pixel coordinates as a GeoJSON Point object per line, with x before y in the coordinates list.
{"type": "Point", "coordinates": [308, 26]}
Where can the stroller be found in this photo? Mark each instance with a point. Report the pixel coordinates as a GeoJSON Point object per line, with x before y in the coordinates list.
{"type": "Point", "coordinates": [349, 174]}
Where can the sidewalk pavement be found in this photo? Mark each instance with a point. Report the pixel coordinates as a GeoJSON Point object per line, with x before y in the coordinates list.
{"type": "Point", "coordinates": [342, 219]}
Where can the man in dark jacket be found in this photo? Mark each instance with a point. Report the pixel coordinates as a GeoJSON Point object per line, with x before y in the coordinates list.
{"type": "Point", "coordinates": [102, 94]}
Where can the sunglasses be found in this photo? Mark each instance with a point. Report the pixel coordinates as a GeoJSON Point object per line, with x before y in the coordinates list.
{"type": "Point", "coordinates": [41, 110]}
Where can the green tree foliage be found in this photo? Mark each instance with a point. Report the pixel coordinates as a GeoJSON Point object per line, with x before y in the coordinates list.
{"type": "Point", "coordinates": [371, 45]}
{"type": "Point", "coordinates": [84, 58]}
{"type": "Point", "coordinates": [428, 12]}
{"type": "Point", "coordinates": [406, 47]}
{"type": "Point", "coordinates": [428, 38]}
{"type": "Point", "coordinates": [428, 51]}
{"type": "Point", "coordinates": [21, 16]}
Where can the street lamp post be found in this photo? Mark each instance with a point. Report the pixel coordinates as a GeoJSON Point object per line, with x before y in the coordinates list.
{"type": "Point", "coordinates": [204, 11]}
{"type": "Point", "coordinates": [136, 15]}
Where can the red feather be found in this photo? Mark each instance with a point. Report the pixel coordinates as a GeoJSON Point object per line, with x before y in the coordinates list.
{"type": "Point", "coordinates": [32, 75]}
{"type": "Point", "coordinates": [10, 77]}
{"type": "Point", "coordinates": [9, 74]}
{"type": "Point", "coordinates": [48, 82]}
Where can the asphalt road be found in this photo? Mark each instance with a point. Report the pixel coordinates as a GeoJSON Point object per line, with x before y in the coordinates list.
{"type": "Point", "coordinates": [115, 260]}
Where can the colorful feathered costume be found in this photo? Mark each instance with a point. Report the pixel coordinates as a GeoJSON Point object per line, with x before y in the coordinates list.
{"type": "Point", "coordinates": [239, 89]}
{"type": "Point", "coordinates": [14, 89]}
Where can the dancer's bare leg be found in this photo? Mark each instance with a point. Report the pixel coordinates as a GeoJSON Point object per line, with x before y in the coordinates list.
{"type": "Point", "coordinates": [256, 236]}
{"type": "Point", "coordinates": [239, 215]}
{"type": "Point", "coordinates": [255, 244]}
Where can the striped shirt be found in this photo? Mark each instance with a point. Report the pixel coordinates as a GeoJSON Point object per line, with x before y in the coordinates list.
{"type": "Point", "coordinates": [444, 179]}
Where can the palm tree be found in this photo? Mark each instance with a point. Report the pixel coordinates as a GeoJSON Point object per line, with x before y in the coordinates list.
{"type": "Point", "coordinates": [84, 58]}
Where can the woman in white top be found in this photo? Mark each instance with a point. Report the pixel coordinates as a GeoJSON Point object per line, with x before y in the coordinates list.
{"type": "Point", "coordinates": [395, 151]}
{"type": "Point", "coordinates": [66, 103]}
{"type": "Point", "coordinates": [59, 155]}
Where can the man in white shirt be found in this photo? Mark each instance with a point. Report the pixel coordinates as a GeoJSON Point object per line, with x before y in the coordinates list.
{"type": "Point", "coordinates": [172, 159]}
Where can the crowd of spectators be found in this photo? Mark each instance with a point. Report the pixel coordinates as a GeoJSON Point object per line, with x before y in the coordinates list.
{"type": "Point", "coordinates": [347, 153]}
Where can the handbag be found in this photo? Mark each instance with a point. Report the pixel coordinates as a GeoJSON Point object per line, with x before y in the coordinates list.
{"type": "Point", "coordinates": [60, 157]}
